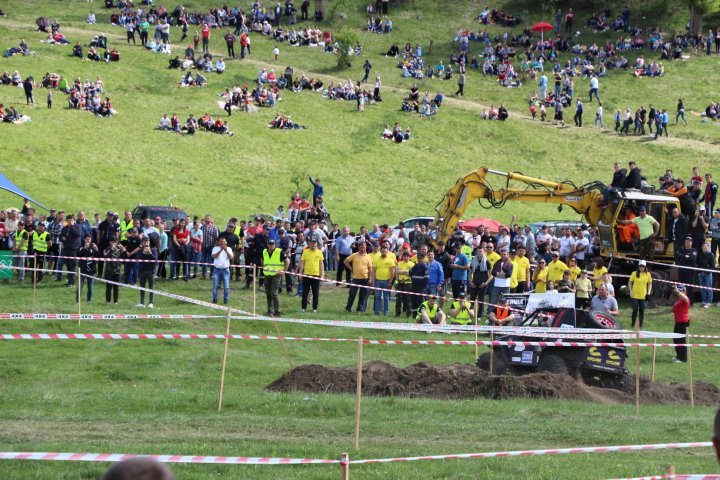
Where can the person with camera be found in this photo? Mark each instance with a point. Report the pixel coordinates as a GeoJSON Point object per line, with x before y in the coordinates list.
{"type": "Point", "coordinates": [222, 257]}
{"type": "Point", "coordinates": [681, 314]}
{"type": "Point", "coordinates": [460, 311]}
{"type": "Point", "coordinates": [147, 260]}
{"type": "Point", "coordinates": [88, 252]}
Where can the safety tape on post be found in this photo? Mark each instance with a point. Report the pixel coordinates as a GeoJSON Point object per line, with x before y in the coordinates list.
{"type": "Point", "coordinates": [118, 457]}
{"type": "Point", "coordinates": [220, 336]}
{"type": "Point", "coordinates": [675, 476]}
{"type": "Point", "coordinates": [374, 325]}
{"type": "Point", "coordinates": [102, 316]}
{"type": "Point", "coordinates": [530, 453]}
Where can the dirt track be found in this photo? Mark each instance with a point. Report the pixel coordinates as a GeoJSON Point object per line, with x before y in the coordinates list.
{"type": "Point", "coordinates": [462, 381]}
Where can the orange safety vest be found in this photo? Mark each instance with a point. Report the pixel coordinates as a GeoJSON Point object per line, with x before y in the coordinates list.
{"type": "Point", "coordinates": [502, 312]}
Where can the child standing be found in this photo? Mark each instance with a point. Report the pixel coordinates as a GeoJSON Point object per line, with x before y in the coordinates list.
{"type": "Point", "coordinates": [276, 53]}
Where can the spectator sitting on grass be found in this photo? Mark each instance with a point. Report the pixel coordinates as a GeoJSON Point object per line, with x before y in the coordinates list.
{"type": "Point", "coordinates": [284, 122]}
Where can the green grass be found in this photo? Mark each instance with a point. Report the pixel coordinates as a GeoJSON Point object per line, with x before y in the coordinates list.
{"type": "Point", "coordinates": [159, 396]}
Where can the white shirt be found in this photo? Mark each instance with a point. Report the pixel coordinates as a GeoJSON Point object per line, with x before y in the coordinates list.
{"type": "Point", "coordinates": [222, 260]}
{"type": "Point", "coordinates": [594, 82]}
{"type": "Point", "coordinates": [566, 244]}
{"type": "Point", "coordinates": [580, 255]}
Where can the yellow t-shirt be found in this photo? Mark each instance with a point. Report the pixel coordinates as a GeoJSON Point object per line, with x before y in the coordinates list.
{"type": "Point", "coordinates": [404, 277]}
{"type": "Point", "coordinates": [312, 260]}
{"type": "Point", "coordinates": [583, 288]}
{"type": "Point", "coordinates": [513, 276]}
{"type": "Point", "coordinates": [383, 266]}
{"type": "Point", "coordinates": [541, 282]}
{"type": "Point", "coordinates": [521, 266]}
{"type": "Point", "coordinates": [574, 272]}
{"type": "Point", "coordinates": [640, 285]}
{"type": "Point", "coordinates": [492, 258]}
{"type": "Point", "coordinates": [599, 272]}
{"type": "Point", "coordinates": [361, 266]}
{"type": "Point", "coordinates": [556, 270]}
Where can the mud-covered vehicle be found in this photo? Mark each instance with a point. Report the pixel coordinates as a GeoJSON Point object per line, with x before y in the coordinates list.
{"type": "Point", "coordinates": [603, 366]}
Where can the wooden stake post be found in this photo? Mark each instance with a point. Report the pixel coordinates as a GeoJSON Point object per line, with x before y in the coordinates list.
{"type": "Point", "coordinates": [224, 360]}
{"type": "Point", "coordinates": [254, 280]}
{"type": "Point", "coordinates": [690, 375]}
{"type": "Point", "coordinates": [358, 394]}
{"type": "Point", "coordinates": [637, 370]}
{"type": "Point", "coordinates": [79, 292]}
{"type": "Point", "coordinates": [34, 279]}
{"type": "Point", "coordinates": [492, 351]}
{"type": "Point", "coordinates": [345, 466]}
{"type": "Point", "coordinates": [476, 326]}
{"type": "Point", "coordinates": [652, 370]}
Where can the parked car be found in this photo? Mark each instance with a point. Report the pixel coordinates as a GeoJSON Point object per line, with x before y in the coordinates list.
{"type": "Point", "coordinates": [166, 213]}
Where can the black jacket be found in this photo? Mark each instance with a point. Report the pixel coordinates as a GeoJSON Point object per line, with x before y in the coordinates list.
{"type": "Point", "coordinates": [679, 228]}
{"type": "Point", "coordinates": [633, 179]}
{"type": "Point", "coordinates": [618, 180]}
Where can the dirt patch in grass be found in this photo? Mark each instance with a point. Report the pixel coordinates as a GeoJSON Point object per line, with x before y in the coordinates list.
{"type": "Point", "coordinates": [462, 381]}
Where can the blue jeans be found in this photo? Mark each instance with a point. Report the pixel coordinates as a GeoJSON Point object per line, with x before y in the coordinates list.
{"type": "Point", "coordinates": [90, 282]}
{"type": "Point", "coordinates": [382, 297]}
{"type": "Point", "coordinates": [221, 275]}
{"type": "Point", "coordinates": [196, 259]}
{"type": "Point", "coordinates": [207, 258]}
{"type": "Point", "coordinates": [595, 91]}
{"type": "Point", "coordinates": [706, 294]}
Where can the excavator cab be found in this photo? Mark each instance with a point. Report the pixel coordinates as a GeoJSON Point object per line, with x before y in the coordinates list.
{"type": "Point", "coordinates": [624, 205]}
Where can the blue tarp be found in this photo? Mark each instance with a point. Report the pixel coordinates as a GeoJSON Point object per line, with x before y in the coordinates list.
{"type": "Point", "coordinates": [6, 184]}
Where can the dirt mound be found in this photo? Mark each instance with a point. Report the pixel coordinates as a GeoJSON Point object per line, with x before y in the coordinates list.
{"type": "Point", "coordinates": [461, 381]}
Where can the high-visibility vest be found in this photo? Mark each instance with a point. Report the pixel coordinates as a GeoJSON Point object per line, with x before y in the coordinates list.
{"type": "Point", "coordinates": [125, 226]}
{"type": "Point", "coordinates": [502, 312]}
{"type": "Point", "coordinates": [271, 263]}
{"type": "Point", "coordinates": [431, 311]}
{"type": "Point", "coordinates": [18, 240]}
{"type": "Point", "coordinates": [40, 242]}
{"type": "Point", "coordinates": [463, 316]}
{"type": "Point", "coordinates": [467, 250]}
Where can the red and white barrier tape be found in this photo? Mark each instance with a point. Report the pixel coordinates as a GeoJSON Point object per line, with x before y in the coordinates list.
{"type": "Point", "coordinates": [668, 476]}
{"type": "Point", "coordinates": [220, 336]}
{"type": "Point", "coordinates": [118, 457]}
{"type": "Point", "coordinates": [529, 453]}
{"type": "Point", "coordinates": [101, 316]}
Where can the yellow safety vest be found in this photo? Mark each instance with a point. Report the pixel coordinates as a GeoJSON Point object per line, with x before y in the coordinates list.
{"type": "Point", "coordinates": [40, 242]}
{"type": "Point", "coordinates": [125, 226]}
{"type": "Point", "coordinates": [463, 317]}
{"type": "Point", "coordinates": [271, 263]}
{"type": "Point", "coordinates": [432, 312]}
{"type": "Point", "coordinates": [467, 250]}
{"type": "Point", "coordinates": [18, 240]}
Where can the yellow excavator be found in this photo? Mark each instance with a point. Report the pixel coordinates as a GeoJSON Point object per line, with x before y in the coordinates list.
{"type": "Point", "coordinates": [586, 200]}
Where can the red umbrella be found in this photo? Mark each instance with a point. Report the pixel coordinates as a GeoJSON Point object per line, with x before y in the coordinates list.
{"type": "Point", "coordinates": [474, 223]}
{"type": "Point", "coordinates": [542, 27]}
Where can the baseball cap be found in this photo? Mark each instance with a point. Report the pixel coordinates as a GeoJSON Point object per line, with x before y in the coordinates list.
{"type": "Point", "coordinates": [688, 238]}
{"type": "Point", "coordinates": [281, 230]}
{"type": "Point", "coordinates": [555, 253]}
{"type": "Point", "coordinates": [681, 287]}
{"type": "Point", "coordinates": [641, 208]}
{"type": "Point", "coordinates": [461, 295]}
{"type": "Point", "coordinates": [229, 225]}
{"type": "Point", "coordinates": [110, 213]}
{"type": "Point", "coordinates": [642, 263]}
{"type": "Point", "coordinates": [513, 252]}
{"type": "Point", "coordinates": [702, 208]}
{"type": "Point", "coordinates": [271, 241]}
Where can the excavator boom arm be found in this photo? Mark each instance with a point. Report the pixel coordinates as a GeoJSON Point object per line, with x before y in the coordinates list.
{"type": "Point", "coordinates": [584, 199]}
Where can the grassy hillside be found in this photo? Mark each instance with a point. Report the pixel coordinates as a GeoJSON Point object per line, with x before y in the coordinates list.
{"type": "Point", "coordinates": [124, 160]}
{"type": "Point", "coordinates": [159, 396]}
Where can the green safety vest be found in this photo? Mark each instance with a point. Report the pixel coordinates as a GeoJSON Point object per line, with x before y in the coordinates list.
{"type": "Point", "coordinates": [40, 242]}
{"type": "Point", "coordinates": [272, 263]}
{"type": "Point", "coordinates": [19, 235]}
{"type": "Point", "coordinates": [124, 227]}
{"type": "Point", "coordinates": [463, 317]}
{"type": "Point", "coordinates": [432, 312]}
{"type": "Point", "coordinates": [467, 250]}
